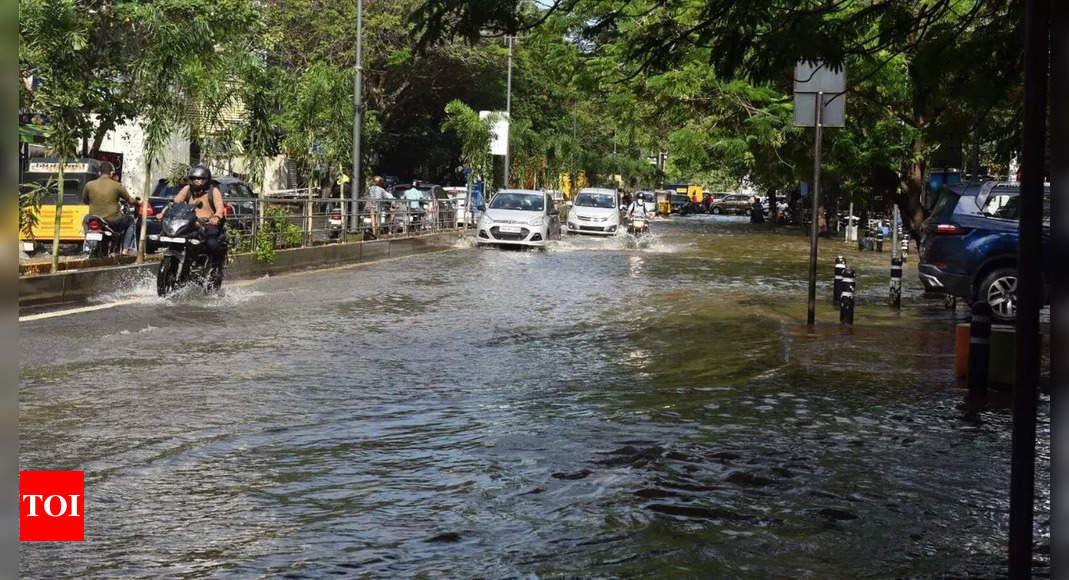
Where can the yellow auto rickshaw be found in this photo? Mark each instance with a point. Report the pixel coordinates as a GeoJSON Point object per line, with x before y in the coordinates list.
{"type": "Point", "coordinates": [76, 174]}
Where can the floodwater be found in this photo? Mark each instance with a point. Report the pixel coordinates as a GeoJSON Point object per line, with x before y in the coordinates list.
{"type": "Point", "coordinates": [595, 409]}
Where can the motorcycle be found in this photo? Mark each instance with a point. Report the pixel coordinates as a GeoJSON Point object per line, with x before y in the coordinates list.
{"type": "Point", "coordinates": [102, 240]}
{"type": "Point", "coordinates": [185, 254]}
{"type": "Point", "coordinates": [334, 224]}
{"type": "Point", "coordinates": [638, 226]}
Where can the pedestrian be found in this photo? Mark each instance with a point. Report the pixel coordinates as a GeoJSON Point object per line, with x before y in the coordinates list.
{"type": "Point", "coordinates": [415, 203]}
{"type": "Point", "coordinates": [757, 211]}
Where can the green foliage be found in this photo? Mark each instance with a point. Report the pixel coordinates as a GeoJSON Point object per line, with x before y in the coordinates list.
{"type": "Point", "coordinates": [30, 196]}
{"type": "Point", "coordinates": [475, 135]}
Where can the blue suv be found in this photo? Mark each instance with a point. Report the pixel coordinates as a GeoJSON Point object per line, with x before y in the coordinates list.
{"type": "Point", "coordinates": [969, 244]}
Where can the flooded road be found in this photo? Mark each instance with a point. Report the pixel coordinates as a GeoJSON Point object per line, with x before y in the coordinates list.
{"type": "Point", "coordinates": [594, 409]}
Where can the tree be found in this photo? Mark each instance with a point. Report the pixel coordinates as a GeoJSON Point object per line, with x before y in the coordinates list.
{"type": "Point", "coordinates": [184, 61]}
{"type": "Point", "coordinates": [53, 35]}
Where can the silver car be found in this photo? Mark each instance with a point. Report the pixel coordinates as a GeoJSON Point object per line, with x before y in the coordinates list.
{"type": "Point", "coordinates": [521, 217]}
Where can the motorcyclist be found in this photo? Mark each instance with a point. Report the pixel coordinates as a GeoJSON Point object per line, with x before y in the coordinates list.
{"type": "Point", "coordinates": [637, 208]}
{"type": "Point", "coordinates": [205, 196]}
{"type": "Point", "coordinates": [102, 195]}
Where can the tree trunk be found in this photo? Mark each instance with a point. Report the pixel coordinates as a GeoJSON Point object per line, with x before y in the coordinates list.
{"type": "Point", "coordinates": [59, 217]}
{"type": "Point", "coordinates": [107, 123]}
{"type": "Point", "coordinates": [144, 202]}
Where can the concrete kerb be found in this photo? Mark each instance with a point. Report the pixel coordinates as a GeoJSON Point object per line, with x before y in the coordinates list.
{"type": "Point", "coordinates": [78, 285]}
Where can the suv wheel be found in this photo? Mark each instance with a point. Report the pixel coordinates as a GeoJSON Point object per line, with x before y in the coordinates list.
{"type": "Point", "coordinates": [999, 289]}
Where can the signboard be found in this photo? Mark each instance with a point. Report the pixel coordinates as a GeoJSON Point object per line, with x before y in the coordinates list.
{"type": "Point", "coordinates": [811, 79]}
{"type": "Point", "coordinates": [499, 132]}
{"type": "Point", "coordinates": [53, 167]}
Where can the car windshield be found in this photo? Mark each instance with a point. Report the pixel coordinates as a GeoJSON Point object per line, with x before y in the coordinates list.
{"type": "Point", "coordinates": [602, 200]}
{"type": "Point", "coordinates": [518, 201]}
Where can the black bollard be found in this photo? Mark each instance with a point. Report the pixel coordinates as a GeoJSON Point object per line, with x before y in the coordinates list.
{"type": "Point", "coordinates": [846, 299]}
{"type": "Point", "coordinates": [895, 296]}
{"type": "Point", "coordinates": [979, 350]}
{"type": "Point", "coordinates": [879, 240]}
{"type": "Point", "coordinates": [837, 289]}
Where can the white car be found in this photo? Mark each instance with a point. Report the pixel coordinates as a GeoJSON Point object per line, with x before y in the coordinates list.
{"type": "Point", "coordinates": [595, 211]}
{"type": "Point", "coordinates": [521, 217]}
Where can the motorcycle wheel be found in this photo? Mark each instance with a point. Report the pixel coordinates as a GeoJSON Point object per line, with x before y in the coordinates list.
{"type": "Point", "coordinates": [167, 276]}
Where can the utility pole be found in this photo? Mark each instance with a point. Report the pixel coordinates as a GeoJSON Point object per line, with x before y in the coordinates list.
{"type": "Point", "coordinates": [508, 116]}
{"type": "Point", "coordinates": [358, 114]}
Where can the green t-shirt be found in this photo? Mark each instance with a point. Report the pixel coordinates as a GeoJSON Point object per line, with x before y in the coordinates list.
{"type": "Point", "coordinates": [103, 195]}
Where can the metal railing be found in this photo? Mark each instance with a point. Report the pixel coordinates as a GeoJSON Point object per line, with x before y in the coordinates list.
{"type": "Point", "coordinates": [287, 221]}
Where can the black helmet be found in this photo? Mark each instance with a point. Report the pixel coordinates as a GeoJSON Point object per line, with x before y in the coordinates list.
{"type": "Point", "coordinates": [200, 172]}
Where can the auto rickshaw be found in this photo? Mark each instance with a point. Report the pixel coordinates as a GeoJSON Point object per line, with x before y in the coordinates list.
{"type": "Point", "coordinates": [76, 173]}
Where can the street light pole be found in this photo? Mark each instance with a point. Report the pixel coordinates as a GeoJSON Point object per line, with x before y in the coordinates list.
{"type": "Point", "coordinates": [358, 116]}
{"type": "Point", "coordinates": [508, 116]}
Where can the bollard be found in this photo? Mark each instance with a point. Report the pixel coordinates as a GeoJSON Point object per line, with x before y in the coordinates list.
{"type": "Point", "coordinates": [879, 241]}
{"type": "Point", "coordinates": [905, 250]}
{"type": "Point", "coordinates": [837, 289]}
{"type": "Point", "coordinates": [846, 299]}
{"type": "Point", "coordinates": [895, 296]}
{"type": "Point", "coordinates": [979, 350]}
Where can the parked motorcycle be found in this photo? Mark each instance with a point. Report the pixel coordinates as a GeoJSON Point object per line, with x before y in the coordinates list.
{"type": "Point", "coordinates": [185, 255]}
{"type": "Point", "coordinates": [334, 224]}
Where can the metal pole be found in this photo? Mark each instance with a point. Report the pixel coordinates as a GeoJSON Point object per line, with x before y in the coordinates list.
{"type": "Point", "coordinates": [358, 114]}
{"type": "Point", "coordinates": [1025, 393]}
{"type": "Point", "coordinates": [1059, 324]}
{"type": "Point", "coordinates": [812, 312]}
{"type": "Point", "coordinates": [508, 116]}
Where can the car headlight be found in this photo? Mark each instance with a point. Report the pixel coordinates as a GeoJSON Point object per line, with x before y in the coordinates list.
{"type": "Point", "coordinates": [536, 221]}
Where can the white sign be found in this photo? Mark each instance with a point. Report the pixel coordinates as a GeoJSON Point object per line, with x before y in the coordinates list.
{"type": "Point", "coordinates": [811, 79]}
{"type": "Point", "coordinates": [499, 133]}
{"type": "Point", "coordinates": [53, 167]}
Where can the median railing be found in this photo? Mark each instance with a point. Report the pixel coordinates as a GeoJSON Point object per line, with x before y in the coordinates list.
{"type": "Point", "coordinates": [284, 220]}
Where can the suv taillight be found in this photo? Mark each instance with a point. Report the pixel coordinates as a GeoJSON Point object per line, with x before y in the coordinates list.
{"type": "Point", "coordinates": [950, 230]}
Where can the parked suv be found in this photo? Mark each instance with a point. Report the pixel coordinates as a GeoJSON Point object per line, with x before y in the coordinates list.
{"type": "Point", "coordinates": [969, 244]}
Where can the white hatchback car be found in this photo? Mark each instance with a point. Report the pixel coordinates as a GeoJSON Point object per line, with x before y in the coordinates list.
{"type": "Point", "coordinates": [596, 211]}
{"type": "Point", "coordinates": [521, 217]}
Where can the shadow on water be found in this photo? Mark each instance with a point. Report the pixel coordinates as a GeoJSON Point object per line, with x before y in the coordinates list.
{"type": "Point", "coordinates": [595, 409]}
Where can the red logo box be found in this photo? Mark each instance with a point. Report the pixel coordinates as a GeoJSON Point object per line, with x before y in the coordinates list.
{"type": "Point", "coordinates": [52, 506]}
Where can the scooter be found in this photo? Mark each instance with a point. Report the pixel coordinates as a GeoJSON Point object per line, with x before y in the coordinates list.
{"type": "Point", "coordinates": [185, 254]}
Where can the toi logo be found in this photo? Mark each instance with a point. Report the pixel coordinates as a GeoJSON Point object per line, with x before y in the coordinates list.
{"type": "Point", "coordinates": [51, 506]}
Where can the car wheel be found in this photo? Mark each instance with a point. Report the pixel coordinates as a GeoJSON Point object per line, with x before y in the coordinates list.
{"type": "Point", "coordinates": [716, 211]}
{"type": "Point", "coordinates": [999, 290]}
